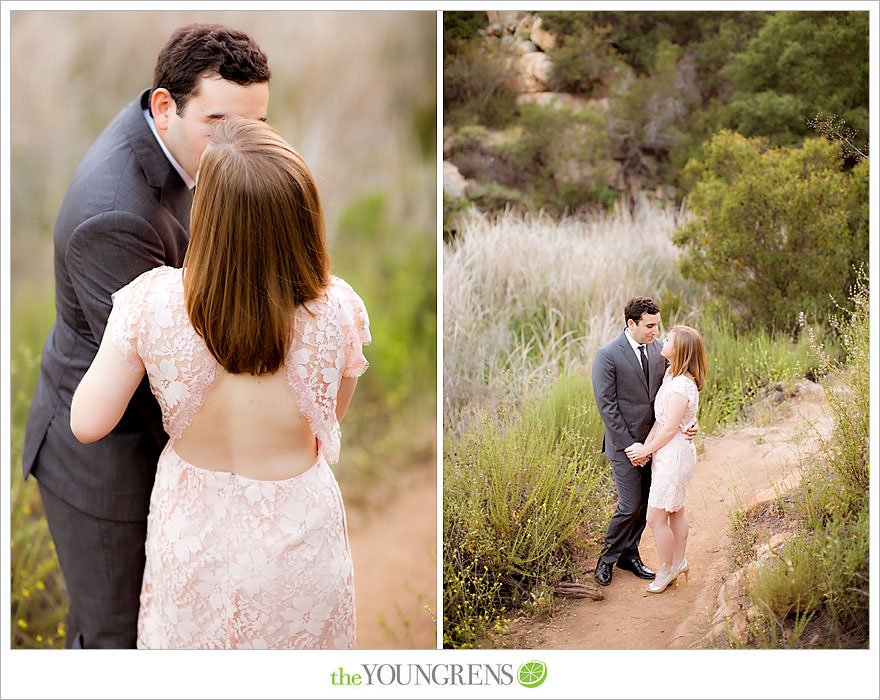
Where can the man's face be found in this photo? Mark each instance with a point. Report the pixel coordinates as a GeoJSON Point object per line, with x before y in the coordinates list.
{"type": "Point", "coordinates": [646, 329]}
{"type": "Point", "coordinates": [186, 135]}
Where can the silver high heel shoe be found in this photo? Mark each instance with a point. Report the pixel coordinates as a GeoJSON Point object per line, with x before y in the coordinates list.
{"type": "Point", "coordinates": [683, 568]}
{"type": "Point", "coordinates": [665, 576]}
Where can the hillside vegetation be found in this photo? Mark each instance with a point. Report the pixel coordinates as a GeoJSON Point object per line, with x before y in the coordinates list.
{"type": "Point", "coordinates": [569, 111]}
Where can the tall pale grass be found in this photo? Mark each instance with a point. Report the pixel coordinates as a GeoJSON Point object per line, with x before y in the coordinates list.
{"type": "Point", "coordinates": [527, 298]}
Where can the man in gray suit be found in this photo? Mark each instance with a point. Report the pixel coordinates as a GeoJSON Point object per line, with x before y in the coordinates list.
{"type": "Point", "coordinates": [126, 211]}
{"type": "Point", "coordinates": [627, 372]}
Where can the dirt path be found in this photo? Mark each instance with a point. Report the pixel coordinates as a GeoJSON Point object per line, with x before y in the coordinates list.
{"type": "Point", "coordinates": [395, 564]}
{"type": "Point", "coordinates": [731, 470]}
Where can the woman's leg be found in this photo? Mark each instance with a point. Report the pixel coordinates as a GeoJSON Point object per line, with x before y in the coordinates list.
{"type": "Point", "coordinates": [678, 525]}
{"type": "Point", "coordinates": [658, 521]}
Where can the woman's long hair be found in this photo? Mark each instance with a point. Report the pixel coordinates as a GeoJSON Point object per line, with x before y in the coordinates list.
{"type": "Point", "coordinates": [689, 355]}
{"type": "Point", "coordinates": [257, 249]}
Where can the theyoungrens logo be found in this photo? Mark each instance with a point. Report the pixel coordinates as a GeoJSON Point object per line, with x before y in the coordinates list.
{"type": "Point", "coordinates": [529, 675]}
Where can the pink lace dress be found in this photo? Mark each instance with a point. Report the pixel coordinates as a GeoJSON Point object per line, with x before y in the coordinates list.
{"type": "Point", "coordinates": [673, 464]}
{"type": "Point", "coordinates": [234, 562]}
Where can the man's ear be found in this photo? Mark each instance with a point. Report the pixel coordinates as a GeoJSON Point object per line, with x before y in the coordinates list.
{"type": "Point", "coordinates": [162, 105]}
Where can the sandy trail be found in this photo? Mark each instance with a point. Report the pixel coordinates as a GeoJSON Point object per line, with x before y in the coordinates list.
{"type": "Point", "coordinates": [731, 470]}
{"type": "Point", "coordinates": [395, 567]}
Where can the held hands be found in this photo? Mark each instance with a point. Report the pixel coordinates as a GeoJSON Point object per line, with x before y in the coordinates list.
{"type": "Point", "coordinates": [692, 430]}
{"type": "Point", "coordinates": [637, 454]}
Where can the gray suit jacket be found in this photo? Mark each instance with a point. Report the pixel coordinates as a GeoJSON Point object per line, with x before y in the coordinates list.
{"type": "Point", "coordinates": [625, 401]}
{"type": "Point", "coordinates": [126, 211]}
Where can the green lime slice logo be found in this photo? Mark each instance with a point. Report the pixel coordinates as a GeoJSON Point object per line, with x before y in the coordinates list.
{"type": "Point", "coordinates": [531, 674]}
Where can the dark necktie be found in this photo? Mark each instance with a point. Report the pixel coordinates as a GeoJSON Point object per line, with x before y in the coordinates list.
{"type": "Point", "coordinates": [644, 363]}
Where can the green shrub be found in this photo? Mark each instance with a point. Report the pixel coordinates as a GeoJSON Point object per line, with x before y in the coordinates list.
{"type": "Point", "coordinates": [798, 64]}
{"type": "Point", "coordinates": [525, 495]}
{"type": "Point", "coordinates": [823, 572]}
{"type": "Point", "coordinates": [38, 604]}
{"type": "Point", "coordinates": [584, 63]}
{"type": "Point", "coordinates": [476, 85]}
{"type": "Point", "coordinates": [565, 154]}
{"type": "Point", "coordinates": [777, 231]}
{"type": "Point", "coordinates": [744, 365]}
{"type": "Point", "coordinates": [398, 287]}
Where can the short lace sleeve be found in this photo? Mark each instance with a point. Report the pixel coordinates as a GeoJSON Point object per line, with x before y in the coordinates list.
{"type": "Point", "coordinates": [681, 385]}
{"type": "Point", "coordinates": [686, 387]}
{"type": "Point", "coordinates": [356, 326]}
{"type": "Point", "coordinates": [124, 323]}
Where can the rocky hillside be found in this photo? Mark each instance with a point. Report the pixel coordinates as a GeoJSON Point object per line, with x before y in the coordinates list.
{"type": "Point", "coordinates": [574, 111]}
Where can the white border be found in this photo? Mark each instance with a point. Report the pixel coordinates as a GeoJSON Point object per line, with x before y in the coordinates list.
{"type": "Point", "coordinates": [278, 674]}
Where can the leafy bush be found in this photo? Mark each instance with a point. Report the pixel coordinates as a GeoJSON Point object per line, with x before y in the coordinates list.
{"type": "Point", "coordinates": [743, 366]}
{"type": "Point", "coordinates": [801, 63]}
{"type": "Point", "coordinates": [525, 494]}
{"type": "Point", "coordinates": [777, 231]}
{"type": "Point", "coordinates": [565, 153]}
{"type": "Point", "coordinates": [463, 24]}
{"type": "Point", "coordinates": [399, 390]}
{"type": "Point", "coordinates": [583, 63]}
{"type": "Point", "coordinates": [476, 85]}
{"type": "Point", "coordinates": [824, 571]}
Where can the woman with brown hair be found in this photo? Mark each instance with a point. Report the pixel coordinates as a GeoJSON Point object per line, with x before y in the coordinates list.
{"type": "Point", "coordinates": [674, 455]}
{"type": "Point", "coordinates": [253, 351]}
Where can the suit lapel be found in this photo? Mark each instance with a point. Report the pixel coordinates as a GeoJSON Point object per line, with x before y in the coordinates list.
{"type": "Point", "coordinates": [627, 350]}
{"type": "Point", "coordinates": [158, 171]}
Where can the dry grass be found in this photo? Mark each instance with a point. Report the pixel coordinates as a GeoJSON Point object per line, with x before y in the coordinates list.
{"type": "Point", "coordinates": [528, 298]}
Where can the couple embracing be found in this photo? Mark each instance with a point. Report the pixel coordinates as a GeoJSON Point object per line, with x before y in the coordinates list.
{"type": "Point", "coordinates": [647, 392]}
{"type": "Point", "coordinates": [191, 390]}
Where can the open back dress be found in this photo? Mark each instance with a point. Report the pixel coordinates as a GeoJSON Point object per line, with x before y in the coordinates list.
{"type": "Point", "coordinates": [235, 562]}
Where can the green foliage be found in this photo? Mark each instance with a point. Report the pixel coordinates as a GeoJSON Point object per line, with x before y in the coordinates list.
{"type": "Point", "coordinates": [462, 25]}
{"type": "Point", "coordinates": [801, 63]}
{"type": "Point", "coordinates": [673, 79]}
{"type": "Point", "coordinates": [524, 496]}
{"type": "Point", "coordinates": [744, 366]}
{"type": "Point", "coordinates": [824, 571]}
{"type": "Point", "coordinates": [584, 63]}
{"type": "Point", "coordinates": [476, 85]}
{"type": "Point", "coordinates": [646, 111]}
{"type": "Point", "coordinates": [636, 36]}
{"type": "Point", "coordinates": [566, 154]}
{"type": "Point", "coordinates": [777, 231]}
{"type": "Point", "coordinates": [38, 594]}
{"type": "Point", "coordinates": [400, 292]}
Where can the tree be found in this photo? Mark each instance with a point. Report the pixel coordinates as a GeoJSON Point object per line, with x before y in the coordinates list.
{"type": "Point", "coordinates": [777, 230]}
{"type": "Point", "coordinates": [801, 63]}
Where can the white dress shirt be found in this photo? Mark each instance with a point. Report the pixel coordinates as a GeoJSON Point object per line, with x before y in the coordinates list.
{"type": "Point", "coordinates": [635, 346]}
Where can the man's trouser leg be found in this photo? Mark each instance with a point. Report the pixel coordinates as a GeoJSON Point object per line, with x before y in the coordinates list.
{"type": "Point", "coordinates": [103, 566]}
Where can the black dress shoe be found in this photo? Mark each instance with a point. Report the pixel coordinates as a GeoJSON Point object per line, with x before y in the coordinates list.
{"type": "Point", "coordinates": [636, 566]}
{"type": "Point", "coordinates": [603, 573]}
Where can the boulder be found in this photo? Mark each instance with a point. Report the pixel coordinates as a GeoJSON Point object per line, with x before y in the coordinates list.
{"type": "Point", "coordinates": [509, 19]}
{"type": "Point", "coordinates": [523, 29]}
{"type": "Point", "coordinates": [522, 47]}
{"type": "Point", "coordinates": [769, 495]}
{"type": "Point", "coordinates": [533, 71]}
{"type": "Point", "coordinates": [543, 39]}
{"type": "Point", "coordinates": [454, 183]}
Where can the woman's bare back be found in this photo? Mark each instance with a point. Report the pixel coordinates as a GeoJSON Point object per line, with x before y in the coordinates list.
{"type": "Point", "coordinates": [250, 426]}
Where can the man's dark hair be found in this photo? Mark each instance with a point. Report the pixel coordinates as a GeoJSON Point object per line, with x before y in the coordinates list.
{"type": "Point", "coordinates": [637, 306]}
{"type": "Point", "coordinates": [202, 50]}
